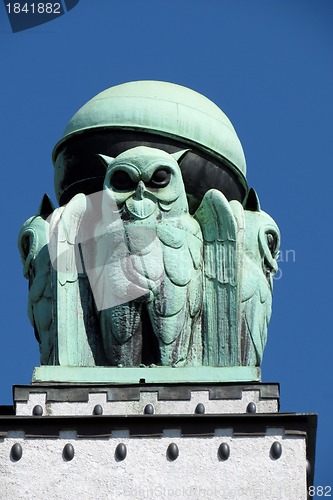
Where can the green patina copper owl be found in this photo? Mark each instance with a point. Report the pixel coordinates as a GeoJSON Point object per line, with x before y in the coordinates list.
{"type": "Point", "coordinates": [169, 288]}
{"type": "Point", "coordinates": [153, 254]}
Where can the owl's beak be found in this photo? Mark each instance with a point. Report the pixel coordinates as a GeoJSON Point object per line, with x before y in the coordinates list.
{"type": "Point", "coordinates": [139, 192]}
{"type": "Point", "coordinates": [140, 208]}
{"type": "Point", "coordinates": [139, 205]}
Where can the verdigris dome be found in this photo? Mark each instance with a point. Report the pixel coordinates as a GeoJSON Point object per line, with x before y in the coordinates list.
{"type": "Point", "coordinates": [173, 116]}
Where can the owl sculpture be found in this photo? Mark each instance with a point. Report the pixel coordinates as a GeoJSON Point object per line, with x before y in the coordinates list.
{"type": "Point", "coordinates": [149, 259]}
{"type": "Point", "coordinates": [33, 245]}
{"type": "Point", "coordinates": [261, 249]}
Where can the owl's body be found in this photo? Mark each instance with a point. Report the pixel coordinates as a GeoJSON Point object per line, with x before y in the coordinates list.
{"type": "Point", "coordinates": [256, 312]}
{"type": "Point", "coordinates": [151, 261]}
{"type": "Point", "coordinates": [33, 245]}
{"type": "Point", "coordinates": [261, 247]}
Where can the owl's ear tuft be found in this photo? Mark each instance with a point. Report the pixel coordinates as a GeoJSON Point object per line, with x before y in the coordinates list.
{"type": "Point", "coordinates": [179, 155]}
{"type": "Point", "coordinates": [251, 202]}
{"type": "Point", "coordinates": [46, 207]}
{"type": "Point", "coordinates": [106, 160]}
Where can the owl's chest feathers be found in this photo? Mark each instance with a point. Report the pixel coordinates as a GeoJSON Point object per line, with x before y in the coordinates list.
{"type": "Point", "coordinates": [255, 281]}
{"type": "Point", "coordinates": [165, 249]}
{"type": "Point", "coordinates": [174, 232]}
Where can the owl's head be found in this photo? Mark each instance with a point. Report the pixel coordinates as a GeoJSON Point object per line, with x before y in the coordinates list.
{"type": "Point", "coordinates": [262, 236]}
{"type": "Point", "coordinates": [146, 182]}
{"type": "Point", "coordinates": [34, 235]}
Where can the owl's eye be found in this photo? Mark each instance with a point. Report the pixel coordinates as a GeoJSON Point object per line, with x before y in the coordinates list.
{"type": "Point", "coordinates": [272, 242]}
{"type": "Point", "coordinates": [122, 181]}
{"type": "Point", "coordinates": [160, 178]}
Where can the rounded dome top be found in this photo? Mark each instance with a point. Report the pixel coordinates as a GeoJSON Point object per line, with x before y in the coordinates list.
{"type": "Point", "coordinates": [165, 109]}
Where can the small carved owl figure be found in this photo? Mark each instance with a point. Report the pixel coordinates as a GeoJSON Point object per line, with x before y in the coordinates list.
{"type": "Point", "coordinates": [149, 254]}
{"type": "Point", "coordinates": [33, 246]}
{"type": "Point", "coordinates": [261, 249]}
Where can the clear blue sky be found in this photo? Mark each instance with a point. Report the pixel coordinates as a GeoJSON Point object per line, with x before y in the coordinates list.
{"type": "Point", "coordinates": [269, 65]}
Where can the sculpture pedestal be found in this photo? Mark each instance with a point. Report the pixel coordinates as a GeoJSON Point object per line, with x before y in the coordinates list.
{"type": "Point", "coordinates": [158, 374]}
{"type": "Point", "coordinates": [154, 441]}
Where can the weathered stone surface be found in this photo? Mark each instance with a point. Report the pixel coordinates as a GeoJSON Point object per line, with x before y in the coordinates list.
{"type": "Point", "coordinates": [197, 469]}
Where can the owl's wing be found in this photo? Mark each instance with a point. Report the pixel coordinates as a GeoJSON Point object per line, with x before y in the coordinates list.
{"type": "Point", "coordinates": [65, 222]}
{"type": "Point", "coordinates": [256, 311]}
{"type": "Point", "coordinates": [78, 342]}
{"type": "Point", "coordinates": [222, 225]}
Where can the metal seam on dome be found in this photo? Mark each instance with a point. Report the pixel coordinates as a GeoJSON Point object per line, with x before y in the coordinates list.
{"type": "Point", "coordinates": [227, 125]}
{"type": "Point", "coordinates": [162, 100]}
{"type": "Point", "coordinates": [155, 132]}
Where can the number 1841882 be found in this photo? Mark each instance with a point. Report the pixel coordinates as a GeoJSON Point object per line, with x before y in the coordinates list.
{"type": "Point", "coordinates": [34, 8]}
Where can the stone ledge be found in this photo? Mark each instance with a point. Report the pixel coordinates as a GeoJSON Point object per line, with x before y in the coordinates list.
{"type": "Point", "coordinates": [126, 392]}
{"type": "Point", "coordinates": [82, 399]}
{"type": "Point", "coordinates": [113, 375]}
{"type": "Point", "coordinates": [154, 425]}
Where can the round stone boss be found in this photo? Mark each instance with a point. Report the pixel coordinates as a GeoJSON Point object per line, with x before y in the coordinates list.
{"type": "Point", "coordinates": [156, 114]}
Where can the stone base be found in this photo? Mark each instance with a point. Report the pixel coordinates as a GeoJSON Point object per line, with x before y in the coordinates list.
{"type": "Point", "coordinates": [156, 441]}
{"type": "Point", "coordinates": [158, 399]}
